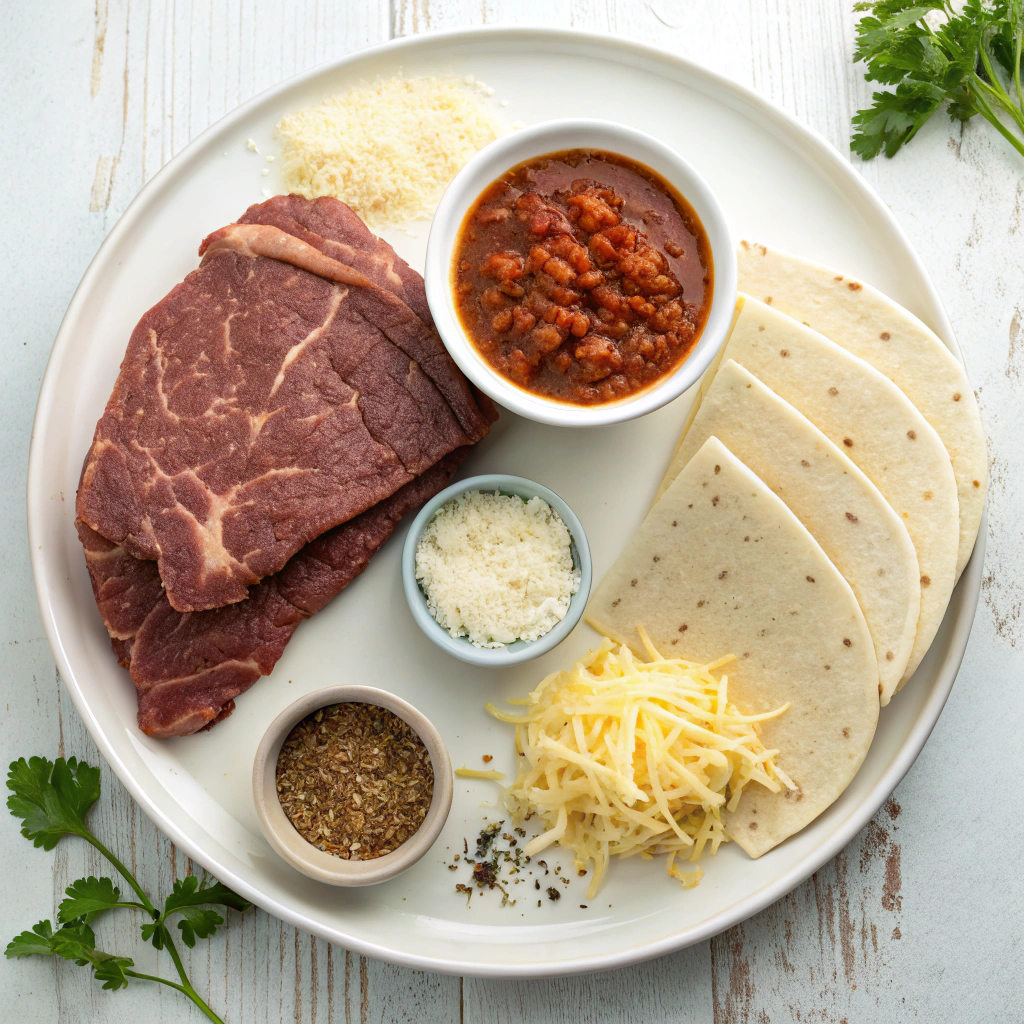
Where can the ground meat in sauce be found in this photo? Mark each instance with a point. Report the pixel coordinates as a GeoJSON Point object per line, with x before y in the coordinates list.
{"type": "Point", "coordinates": [582, 277]}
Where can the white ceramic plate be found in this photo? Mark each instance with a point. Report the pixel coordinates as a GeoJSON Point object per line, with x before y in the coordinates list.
{"type": "Point", "coordinates": [778, 182]}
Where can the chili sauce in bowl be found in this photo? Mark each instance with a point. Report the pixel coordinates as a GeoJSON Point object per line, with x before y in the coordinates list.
{"type": "Point", "coordinates": [581, 272]}
{"type": "Point", "coordinates": [582, 276]}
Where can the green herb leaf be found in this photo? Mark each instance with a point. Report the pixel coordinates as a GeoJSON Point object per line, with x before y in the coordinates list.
{"type": "Point", "coordinates": [155, 932]}
{"type": "Point", "coordinates": [52, 797]}
{"type": "Point", "coordinates": [190, 892]}
{"type": "Point", "coordinates": [892, 40]}
{"type": "Point", "coordinates": [190, 896]}
{"type": "Point", "coordinates": [894, 118]}
{"type": "Point", "coordinates": [76, 942]}
{"type": "Point", "coordinates": [201, 922]}
{"type": "Point", "coordinates": [88, 897]}
{"type": "Point", "coordinates": [192, 900]}
{"type": "Point", "coordinates": [111, 970]}
{"type": "Point", "coordinates": [1003, 36]}
{"type": "Point", "coordinates": [938, 54]}
{"type": "Point", "coordinates": [34, 943]}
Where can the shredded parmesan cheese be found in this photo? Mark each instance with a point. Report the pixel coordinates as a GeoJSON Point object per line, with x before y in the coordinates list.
{"type": "Point", "coordinates": [621, 757]}
{"type": "Point", "coordinates": [388, 149]}
{"type": "Point", "coordinates": [496, 569]}
{"type": "Point", "coordinates": [479, 773]}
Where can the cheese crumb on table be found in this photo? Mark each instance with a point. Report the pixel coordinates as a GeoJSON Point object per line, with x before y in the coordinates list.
{"type": "Point", "coordinates": [496, 569]}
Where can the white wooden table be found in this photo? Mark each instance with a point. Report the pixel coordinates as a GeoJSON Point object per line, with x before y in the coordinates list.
{"type": "Point", "coordinates": [919, 919]}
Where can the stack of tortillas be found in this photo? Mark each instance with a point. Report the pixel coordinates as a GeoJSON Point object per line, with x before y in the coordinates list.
{"type": "Point", "coordinates": [823, 500]}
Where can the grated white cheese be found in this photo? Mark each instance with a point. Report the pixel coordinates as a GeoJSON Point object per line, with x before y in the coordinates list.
{"type": "Point", "coordinates": [620, 757]}
{"type": "Point", "coordinates": [496, 568]}
{"type": "Point", "coordinates": [388, 149]}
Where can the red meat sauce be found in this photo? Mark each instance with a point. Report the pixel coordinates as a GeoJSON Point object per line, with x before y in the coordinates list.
{"type": "Point", "coordinates": [582, 277]}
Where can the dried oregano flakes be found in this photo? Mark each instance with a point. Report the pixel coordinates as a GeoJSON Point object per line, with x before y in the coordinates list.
{"type": "Point", "coordinates": [354, 780]}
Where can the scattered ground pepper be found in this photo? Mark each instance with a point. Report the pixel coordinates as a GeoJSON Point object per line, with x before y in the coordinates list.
{"type": "Point", "coordinates": [500, 863]}
{"type": "Point", "coordinates": [487, 837]}
{"type": "Point", "coordinates": [355, 780]}
{"type": "Point", "coordinates": [484, 874]}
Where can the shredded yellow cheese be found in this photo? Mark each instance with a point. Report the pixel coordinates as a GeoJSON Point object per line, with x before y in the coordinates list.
{"type": "Point", "coordinates": [621, 757]}
{"type": "Point", "coordinates": [479, 773]}
{"type": "Point", "coordinates": [388, 149]}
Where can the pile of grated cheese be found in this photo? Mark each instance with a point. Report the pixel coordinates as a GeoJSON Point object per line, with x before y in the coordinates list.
{"type": "Point", "coordinates": [619, 757]}
{"type": "Point", "coordinates": [496, 569]}
{"type": "Point", "coordinates": [388, 149]}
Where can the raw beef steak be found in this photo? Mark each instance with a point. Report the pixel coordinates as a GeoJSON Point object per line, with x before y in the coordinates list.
{"type": "Point", "coordinates": [334, 229]}
{"type": "Point", "coordinates": [188, 667]}
{"type": "Point", "coordinates": [271, 396]}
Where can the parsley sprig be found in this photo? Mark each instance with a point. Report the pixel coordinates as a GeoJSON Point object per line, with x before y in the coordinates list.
{"type": "Point", "coordinates": [934, 52]}
{"type": "Point", "coordinates": [53, 799]}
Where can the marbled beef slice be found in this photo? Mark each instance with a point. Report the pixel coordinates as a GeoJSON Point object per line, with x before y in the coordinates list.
{"type": "Point", "coordinates": [188, 668]}
{"type": "Point", "coordinates": [271, 396]}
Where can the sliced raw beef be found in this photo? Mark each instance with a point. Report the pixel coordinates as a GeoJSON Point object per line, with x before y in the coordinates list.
{"type": "Point", "coordinates": [274, 394]}
{"type": "Point", "coordinates": [188, 667]}
{"type": "Point", "coordinates": [337, 231]}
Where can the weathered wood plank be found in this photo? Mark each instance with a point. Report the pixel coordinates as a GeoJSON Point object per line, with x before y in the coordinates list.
{"type": "Point", "coordinates": [872, 936]}
{"type": "Point", "coordinates": [141, 81]}
{"type": "Point", "coordinates": [673, 989]}
{"type": "Point", "coordinates": [120, 88]}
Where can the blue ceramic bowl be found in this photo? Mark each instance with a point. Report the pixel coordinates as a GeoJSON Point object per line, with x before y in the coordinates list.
{"type": "Point", "coordinates": [521, 650]}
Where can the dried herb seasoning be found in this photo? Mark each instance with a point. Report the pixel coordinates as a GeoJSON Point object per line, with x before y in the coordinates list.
{"type": "Point", "coordinates": [495, 866]}
{"type": "Point", "coordinates": [354, 780]}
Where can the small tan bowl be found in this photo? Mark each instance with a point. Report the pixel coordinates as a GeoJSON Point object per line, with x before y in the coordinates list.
{"type": "Point", "coordinates": [326, 867]}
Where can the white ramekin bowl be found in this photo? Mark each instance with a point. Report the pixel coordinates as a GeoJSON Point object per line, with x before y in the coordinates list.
{"type": "Point", "coordinates": [521, 650]}
{"type": "Point", "coordinates": [535, 141]}
{"type": "Point", "coordinates": [304, 856]}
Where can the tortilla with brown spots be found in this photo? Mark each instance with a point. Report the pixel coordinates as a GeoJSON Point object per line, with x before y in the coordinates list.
{"type": "Point", "coordinates": [721, 565]}
{"type": "Point", "coordinates": [870, 325]}
{"type": "Point", "coordinates": [844, 511]}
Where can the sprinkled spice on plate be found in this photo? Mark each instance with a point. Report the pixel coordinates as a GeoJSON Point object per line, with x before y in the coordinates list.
{"type": "Point", "coordinates": [500, 863]}
{"type": "Point", "coordinates": [354, 780]}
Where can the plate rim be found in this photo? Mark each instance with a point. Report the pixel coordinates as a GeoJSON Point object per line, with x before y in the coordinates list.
{"type": "Point", "coordinates": [945, 676]}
